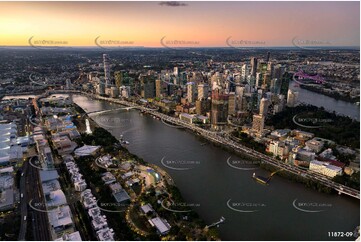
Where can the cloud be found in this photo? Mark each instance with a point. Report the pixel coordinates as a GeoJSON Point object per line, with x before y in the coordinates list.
{"type": "Point", "coordinates": [172, 4]}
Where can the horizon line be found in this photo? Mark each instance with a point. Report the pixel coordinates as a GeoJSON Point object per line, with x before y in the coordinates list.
{"type": "Point", "coordinates": [182, 47]}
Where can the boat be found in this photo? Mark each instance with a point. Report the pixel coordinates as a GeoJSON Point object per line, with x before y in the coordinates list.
{"type": "Point", "coordinates": [261, 179]}
{"type": "Point", "coordinates": [125, 142]}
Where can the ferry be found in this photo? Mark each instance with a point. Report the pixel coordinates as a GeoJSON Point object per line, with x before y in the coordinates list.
{"type": "Point", "coordinates": [261, 179]}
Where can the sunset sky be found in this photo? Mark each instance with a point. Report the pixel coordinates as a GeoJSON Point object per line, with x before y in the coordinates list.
{"type": "Point", "coordinates": [203, 23]}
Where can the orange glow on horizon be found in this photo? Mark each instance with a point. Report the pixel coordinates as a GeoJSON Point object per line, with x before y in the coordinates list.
{"type": "Point", "coordinates": [205, 24]}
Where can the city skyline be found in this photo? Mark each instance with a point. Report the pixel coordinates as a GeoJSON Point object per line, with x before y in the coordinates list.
{"type": "Point", "coordinates": [192, 24]}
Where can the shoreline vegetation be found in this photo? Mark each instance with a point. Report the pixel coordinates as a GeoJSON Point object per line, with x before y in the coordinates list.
{"type": "Point", "coordinates": [334, 95]}
{"type": "Point", "coordinates": [340, 129]}
{"type": "Point", "coordinates": [111, 145]}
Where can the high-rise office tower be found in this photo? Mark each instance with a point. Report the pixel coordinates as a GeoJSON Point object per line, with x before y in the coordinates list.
{"type": "Point", "coordinates": [258, 123]}
{"type": "Point", "coordinates": [275, 86]}
{"type": "Point", "coordinates": [292, 97]}
{"type": "Point", "coordinates": [263, 107]}
{"type": "Point", "coordinates": [158, 88]}
{"type": "Point", "coordinates": [258, 79]}
{"type": "Point", "coordinates": [277, 72]}
{"type": "Point", "coordinates": [266, 80]}
{"type": "Point", "coordinates": [175, 71]}
{"type": "Point", "coordinates": [203, 90]}
{"type": "Point", "coordinates": [253, 66]}
{"type": "Point", "coordinates": [232, 103]}
{"type": "Point", "coordinates": [219, 109]}
{"type": "Point", "coordinates": [270, 67]}
{"type": "Point", "coordinates": [147, 86]}
{"type": "Point", "coordinates": [268, 56]}
{"type": "Point", "coordinates": [244, 72]}
{"type": "Point", "coordinates": [118, 76]}
{"type": "Point", "coordinates": [202, 106]}
{"type": "Point", "coordinates": [106, 70]}
{"type": "Point", "coordinates": [191, 92]}
{"type": "Point", "coordinates": [101, 88]}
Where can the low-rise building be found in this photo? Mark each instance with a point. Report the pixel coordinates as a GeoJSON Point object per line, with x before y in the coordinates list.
{"type": "Point", "coordinates": [160, 224]}
{"type": "Point", "coordinates": [60, 219]}
{"type": "Point", "coordinates": [105, 234]}
{"type": "Point", "coordinates": [75, 236]}
{"type": "Point", "coordinates": [325, 168]}
{"type": "Point", "coordinates": [108, 178]}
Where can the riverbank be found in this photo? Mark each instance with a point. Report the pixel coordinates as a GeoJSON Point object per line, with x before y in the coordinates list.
{"type": "Point", "coordinates": [137, 224]}
{"type": "Point", "coordinates": [334, 95]}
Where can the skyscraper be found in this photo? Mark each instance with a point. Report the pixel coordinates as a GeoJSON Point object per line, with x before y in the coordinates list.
{"type": "Point", "coordinates": [268, 56]}
{"type": "Point", "coordinates": [219, 109]}
{"type": "Point", "coordinates": [263, 107]}
{"type": "Point", "coordinates": [292, 97]}
{"type": "Point", "coordinates": [253, 66]}
{"type": "Point", "coordinates": [147, 86]}
{"type": "Point", "coordinates": [258, 123]}
{"type": "Point", "coordinates": [191, 92]}
{"type": "Point", "coordinates": [232, 103]}
{"type": "Point", "coordinates": [158, 88]}
{"type": "Point", "coordinates": [106, 70]}
{"type": "Point", "coordinates": [203, 91]}
{"type": "Point", "coordinates": [244, 72]}
{"type": "Point", "coordinates": [118, 79]}
{"type": "Point", "coordinates": [175, 72]}
{"type": "Point", "coordinates": [258, 79]}
{"type": "Point", "coordinates": [270, 67]}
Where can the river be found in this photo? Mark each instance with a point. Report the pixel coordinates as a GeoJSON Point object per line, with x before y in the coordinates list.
{"type": "Point", "coordinates": [329, 103]}
{"type": "Point", "coordinates": [281, 211]}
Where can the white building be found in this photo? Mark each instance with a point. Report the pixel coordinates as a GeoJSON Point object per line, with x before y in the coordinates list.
{"type": "Point", "coordinates": [325, 168]}
{"type": "Point", "coordinates": [105, 234]}
{"type": "Point", "coordinates": [292, 97]}
{"type": "Point", "coordinates": [160, 224]}
{"type": "Point", "coordinates": [75, 236]}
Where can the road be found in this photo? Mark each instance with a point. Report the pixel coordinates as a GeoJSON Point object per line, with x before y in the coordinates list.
{"type": "Point", "coordinates": [23, 203]}
{"type": "Point", "coordinates": [35, 197]}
